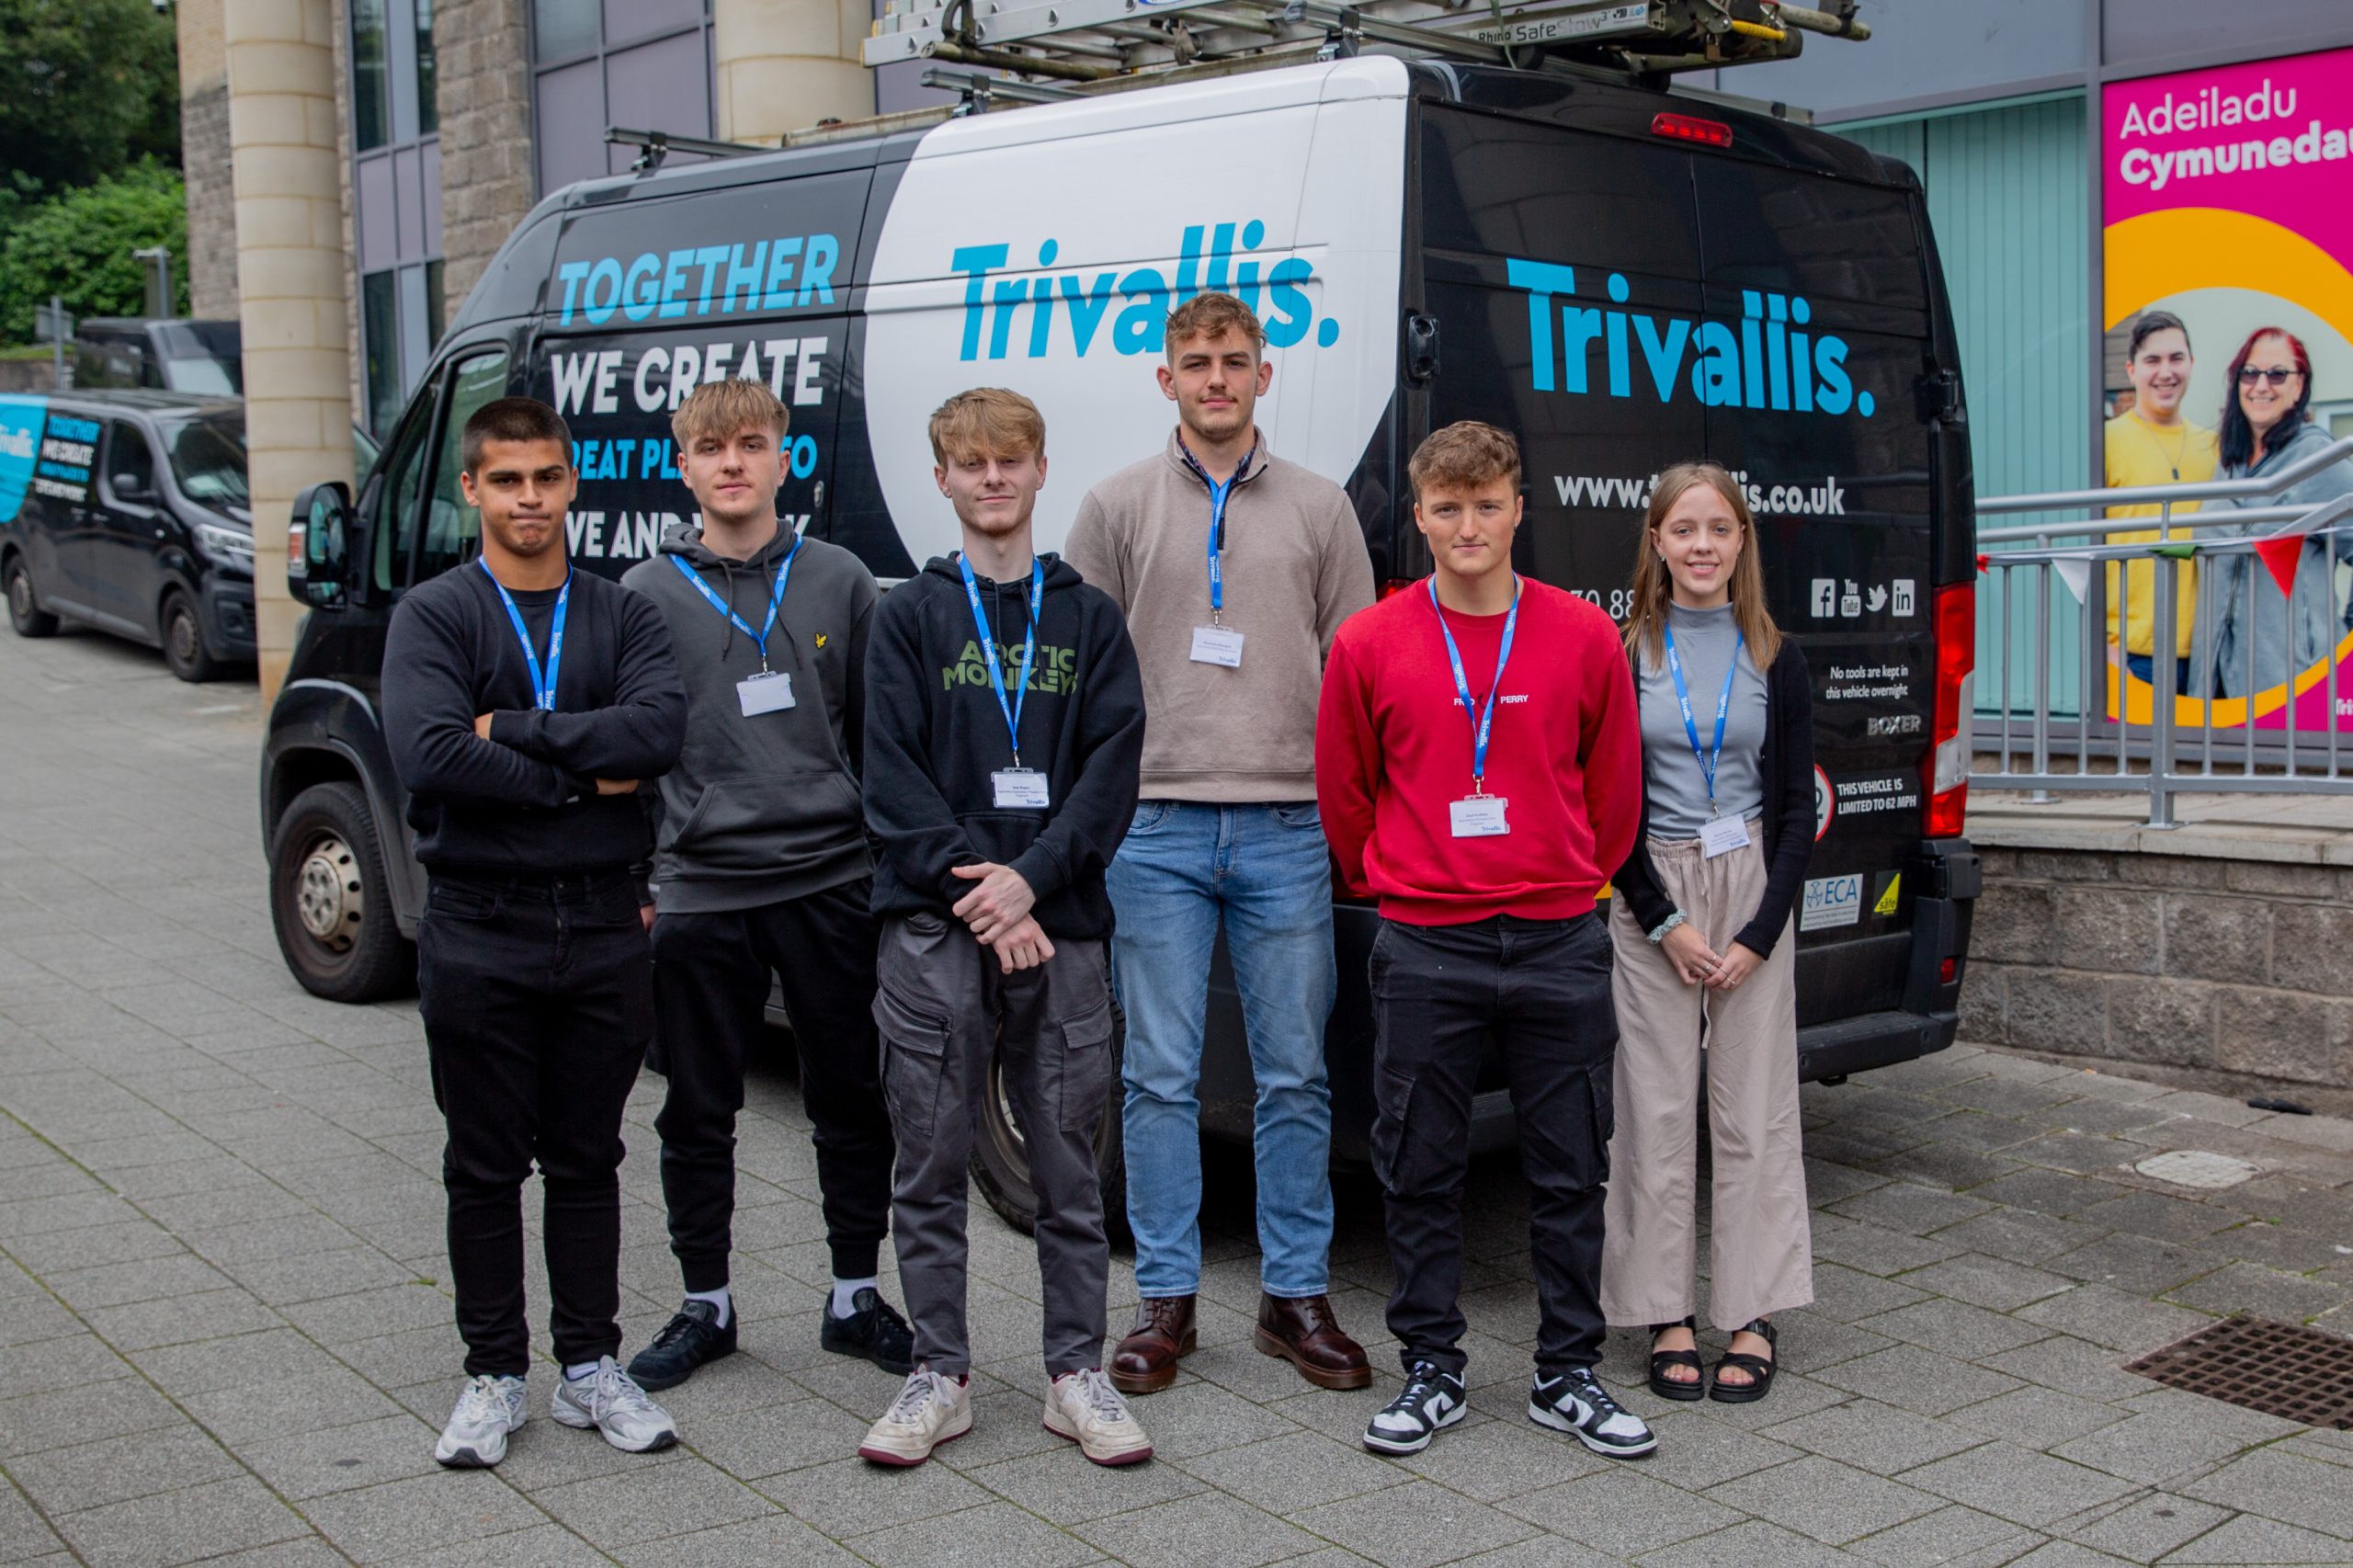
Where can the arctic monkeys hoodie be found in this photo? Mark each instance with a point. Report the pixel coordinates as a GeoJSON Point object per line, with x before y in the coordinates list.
{"type": "Point", "coordinates": [934, 734]}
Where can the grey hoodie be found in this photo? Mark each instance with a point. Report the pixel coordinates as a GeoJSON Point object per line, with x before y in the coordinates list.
{"type": "Point", "coordinates": [2245, 617]}
{"type": "Point", "coordinates": [760, 810]}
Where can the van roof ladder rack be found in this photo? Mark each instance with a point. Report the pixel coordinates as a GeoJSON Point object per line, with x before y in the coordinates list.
{"type": "Point", "coordinates": [1089, 42]}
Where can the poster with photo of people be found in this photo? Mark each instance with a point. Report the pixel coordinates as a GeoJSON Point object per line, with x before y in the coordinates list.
{"type": "Point", "coordinates": [2229, 314]}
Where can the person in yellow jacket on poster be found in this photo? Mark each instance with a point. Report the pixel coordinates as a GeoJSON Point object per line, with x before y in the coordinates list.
{"type": "Point", "coordinates": [2151, 443]}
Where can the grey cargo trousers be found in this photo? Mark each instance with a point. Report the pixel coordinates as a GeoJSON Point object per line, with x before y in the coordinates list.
{"type": "Point", "coordinates": [945, 1009]}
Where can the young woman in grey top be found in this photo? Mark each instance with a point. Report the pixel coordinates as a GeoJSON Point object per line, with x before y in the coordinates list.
{"type": "Point", "coordinates": [2252, 638]}
{"type": "Point", "coordinates": [1700, 927]}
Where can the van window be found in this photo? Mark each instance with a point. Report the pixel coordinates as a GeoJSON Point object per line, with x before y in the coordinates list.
{"type": "Point", "coordinates": [131, 467]}
{"type": "Point", "coordinates": [425, 520]}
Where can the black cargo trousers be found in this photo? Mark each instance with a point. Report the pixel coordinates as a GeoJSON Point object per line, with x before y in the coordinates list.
{"type": "Point", "coordinates": [536, 994]}
{"type": "Point", "coordinates": [1538, 992]}
{"type": "Point", "coordinates": [711, 987]}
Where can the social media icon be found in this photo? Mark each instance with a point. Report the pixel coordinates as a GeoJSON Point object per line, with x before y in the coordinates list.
{"type": "Point", "coordinates": [1878, 600]}
{"type": "Point", "coordinates": [1850, 603]}
{"type": "Point", "coordinates": [1904, 591]}
{"type": "Point", "coordinates": [1826, 589]}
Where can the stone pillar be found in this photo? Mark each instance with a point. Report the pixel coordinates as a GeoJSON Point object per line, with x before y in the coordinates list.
{"type": "Point", "coordinates": [786, 64]}
{"type": "Point", "coordinates": [483, 47]}
{"type": "Point", "coordinates": [204, 162]}
{"type": "Point", "coordinates": [290, 279]}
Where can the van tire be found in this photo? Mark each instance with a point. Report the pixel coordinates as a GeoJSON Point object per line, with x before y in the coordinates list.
{"type": "Point", "coordinates": [24, 606]}
{"type": "Point", "coordinates": [331, 902]}
{"type": "Point", "coordinates": [182, 630]}
{"type": "Point", "coordinates": [1000, 1166]}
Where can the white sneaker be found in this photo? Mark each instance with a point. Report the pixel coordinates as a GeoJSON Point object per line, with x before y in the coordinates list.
{"type": "Point", "coordinates": [1085, 1408]}
{"type": "Point", "coordinates": [931, 1409]}
{"type": "Point", "coordinates": [610, 1400]}
{"type": "Point", "coordinates": [488, 1408]}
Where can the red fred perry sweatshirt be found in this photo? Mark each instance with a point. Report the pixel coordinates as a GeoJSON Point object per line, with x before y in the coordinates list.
{"type": "Point", "coordinates": [1393, 749]}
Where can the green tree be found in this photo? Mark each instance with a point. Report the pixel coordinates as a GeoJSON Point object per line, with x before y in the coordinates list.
{"type": "Point", "coordinates": [87, 87]}
{"type": "Point", "coordinates": [78, 246]}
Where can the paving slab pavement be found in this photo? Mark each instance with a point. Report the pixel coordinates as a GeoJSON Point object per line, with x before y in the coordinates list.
{"type": "Point", "coordinates": [224, 1299]}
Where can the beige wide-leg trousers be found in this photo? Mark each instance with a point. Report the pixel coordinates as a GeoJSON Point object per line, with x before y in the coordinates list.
{"type": "Point", "coordinates": [1760, 1244]}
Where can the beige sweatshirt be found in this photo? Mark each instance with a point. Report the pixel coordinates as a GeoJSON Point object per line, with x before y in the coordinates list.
{"type": "Point", "coordinates": [1295, 567]}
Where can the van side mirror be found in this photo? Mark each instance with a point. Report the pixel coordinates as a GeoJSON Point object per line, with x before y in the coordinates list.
{"type": "Point", "coordinates": [317, 546]}
{"type": "Point", "coordinates": [132, 489]}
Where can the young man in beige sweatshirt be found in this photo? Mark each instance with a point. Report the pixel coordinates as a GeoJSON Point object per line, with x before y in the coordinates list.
{"type": "Point", "coordinates": [1234, 569]}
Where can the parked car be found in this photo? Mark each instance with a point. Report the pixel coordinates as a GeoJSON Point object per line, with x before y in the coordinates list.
{"type": "Point", "coordinates": [205, 356]}
{"type": "Point", "coordinates": [129, 511]}
{"type": "Point", "coordinates": [1624, 275]}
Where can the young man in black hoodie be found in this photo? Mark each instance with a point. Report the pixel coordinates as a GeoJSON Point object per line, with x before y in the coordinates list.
{"type": "Point", "coordinates": [523, 702]}
{"type": "Point", "coordinates": [1005, 730]}
{"type": "Point", "coordinates": [761, 869]}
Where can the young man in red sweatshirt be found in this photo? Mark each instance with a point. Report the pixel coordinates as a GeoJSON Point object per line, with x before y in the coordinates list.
{"type": "Point", "coordinates": [1479, 766]}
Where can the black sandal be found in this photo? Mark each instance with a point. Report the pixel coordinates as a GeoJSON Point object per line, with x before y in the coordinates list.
{"type": "Point", "coordinates": [1669, 1388]}
{"type": "Point", "coordinates": [1759, 1368]}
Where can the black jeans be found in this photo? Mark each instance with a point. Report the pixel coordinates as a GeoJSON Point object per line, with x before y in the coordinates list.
{"type": "Point", "coordinates": [710, 991]}
{"type": "Point", "coordinates": [537, 999]}
{"type": "Point", "coordinates": [1536, 992]}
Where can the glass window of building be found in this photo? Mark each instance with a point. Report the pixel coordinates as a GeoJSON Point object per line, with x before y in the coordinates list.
{"type": "Point", "coordinates": [371, 101]}
{"type": "Point", "coordinates": [428, 112]}
{"type": "Point", "coordinates": [563, 29]}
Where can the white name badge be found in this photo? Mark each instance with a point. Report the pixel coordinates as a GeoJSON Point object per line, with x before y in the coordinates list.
{"type": "Point", "coordinates": [1019, 788]}
{"type": "Point", "coordinates": [1478, 817]}
{"type": "Point", "coordinates": [770, 691]}
{"type": "Point", "coordinates": [1721, 836]}
{"type": "Point", "coordinates": [1217, 645]}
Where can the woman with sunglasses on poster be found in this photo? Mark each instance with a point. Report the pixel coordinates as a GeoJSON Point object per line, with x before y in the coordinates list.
{"type": "Point", "coordinates": [2248, 639]}
{"type": "Point", "coordinates": [1703, 933]}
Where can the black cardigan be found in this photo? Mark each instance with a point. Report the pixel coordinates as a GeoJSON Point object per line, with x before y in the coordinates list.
{"type": "Point", "coordinates": [1787, 769]}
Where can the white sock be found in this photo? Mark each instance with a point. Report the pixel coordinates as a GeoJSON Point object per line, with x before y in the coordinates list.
{"type": "Point", "coordinates": [845, 1292]}
{"type": "Point", "coordinates": [722, 1298]}
{"type": "Point", "coordinates": [575, 1370]}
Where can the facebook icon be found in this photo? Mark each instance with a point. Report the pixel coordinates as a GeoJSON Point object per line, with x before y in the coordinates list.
{"type": "Point", "coordinates": [1825, 596]}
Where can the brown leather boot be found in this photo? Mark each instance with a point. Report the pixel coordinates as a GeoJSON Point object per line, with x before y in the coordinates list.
{"type": "Point", "coordinates": [1304, 1332]}
{"type": "Point", "coordinates": [1145, 1361]}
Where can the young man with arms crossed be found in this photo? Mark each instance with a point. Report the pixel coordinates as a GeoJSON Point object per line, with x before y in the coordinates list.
{"type": "Point", "coordinates": [1479, 761]}
{"type": "Point", "coordinates": [762, 869]}
{"type": "Point", "coordinates": [1005, 718]}
{"type": "Point", "coordinates": [1233, 568]}
{"type": "Point", "coordinates": [523, 701]}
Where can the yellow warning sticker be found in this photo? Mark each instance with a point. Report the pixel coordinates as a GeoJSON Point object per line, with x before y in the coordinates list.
{"type": "Point", "coordinates": [1886, 905]}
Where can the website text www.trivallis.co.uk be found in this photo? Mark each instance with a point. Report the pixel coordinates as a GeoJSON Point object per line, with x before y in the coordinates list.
{"type": "Point", "coordinates": [1827, 499]}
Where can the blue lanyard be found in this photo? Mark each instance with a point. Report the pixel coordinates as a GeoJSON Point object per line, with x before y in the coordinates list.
{"type": "Point", "coordinates": [1723, 706]}
{"type": "Point", "coordinates": [542, 685]}
{"type": "Point", "coordinates": [1012, 710]}
{"type": "Point", "coordinates": [1217, 495]}
{"type": "Point", "coordinates": [1483, 720]}
{"type": "Point", "coordinates": [775, 599]}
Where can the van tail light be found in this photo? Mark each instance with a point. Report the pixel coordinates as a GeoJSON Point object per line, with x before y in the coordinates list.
{"type": "Point", "coordinates": [298, 554]}
{"type": "Point", "coordinates": [1397, 586]}
{"type": "Point", "coordinates": [1945, 771]}
{"type": "Point", "coordinates": [1691, 128]}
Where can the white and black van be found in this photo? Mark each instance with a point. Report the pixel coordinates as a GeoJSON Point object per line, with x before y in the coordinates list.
{"type": "Point", "coordinates": [1624, 276]}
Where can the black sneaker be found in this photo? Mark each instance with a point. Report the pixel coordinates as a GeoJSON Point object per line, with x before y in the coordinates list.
{"type": "Point", "coordinates": [689, 1339]}
{"type": "Point", "coordinates": [875, 1331]}
{"type": "Point", "coordinates": [1430, 1399]}
{"type": "Point", "coordinates": [1576, 1402]}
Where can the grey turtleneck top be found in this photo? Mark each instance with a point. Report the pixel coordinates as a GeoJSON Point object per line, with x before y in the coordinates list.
{"type": "Point", "coordinates": [1671, 774]}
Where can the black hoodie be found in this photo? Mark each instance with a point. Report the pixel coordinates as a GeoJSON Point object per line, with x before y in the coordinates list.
{"type": "Point", "coordinates": [934, 734]}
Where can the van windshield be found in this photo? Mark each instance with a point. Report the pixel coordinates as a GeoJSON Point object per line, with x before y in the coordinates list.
{"type": "Point", "coordinates": [208, 453]}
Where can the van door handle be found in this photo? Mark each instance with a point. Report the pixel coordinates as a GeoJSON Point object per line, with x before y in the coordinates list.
{"type": "Point", "coordinates": [1421, 348]}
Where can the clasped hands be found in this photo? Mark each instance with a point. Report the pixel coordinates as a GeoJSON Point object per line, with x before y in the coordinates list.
{"type": "Point", "coordinates": [998, 913]}
{"type": "Point", "coordinates": [1695, 963]}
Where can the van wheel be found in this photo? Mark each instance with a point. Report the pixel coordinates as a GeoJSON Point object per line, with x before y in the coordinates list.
{"type": "Point", "coordinates": [1001, 1155]}
{"type": "Point", "coordinates": [184, 648]}
{"type": "Point", "coordinates": [330, 901]}
{"type": "Point", "coordinates": [24, 611]}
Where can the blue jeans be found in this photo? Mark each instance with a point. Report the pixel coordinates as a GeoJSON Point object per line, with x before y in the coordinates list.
{"type": "Point", "coordinates": [1264, 872]}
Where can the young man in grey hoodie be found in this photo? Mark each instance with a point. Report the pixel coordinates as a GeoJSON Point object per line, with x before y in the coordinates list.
{"type": "Point", "coordinates": [761, 869]}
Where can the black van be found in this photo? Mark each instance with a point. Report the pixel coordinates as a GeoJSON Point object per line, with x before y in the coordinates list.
{"type": "Point", "coordinates": [1624, 276]}
{"type": "Point", "coordinates": [130, 513]}
{"type": "Point", "coordinates": [202, 357]}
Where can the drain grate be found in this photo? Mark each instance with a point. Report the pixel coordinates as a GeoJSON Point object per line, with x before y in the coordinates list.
{"type": "Point", "coordinates": [2284, 1370]}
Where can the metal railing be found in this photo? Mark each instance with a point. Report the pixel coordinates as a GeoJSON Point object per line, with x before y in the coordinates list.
{"type": "Point", "coordinates": [2235, 713]}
